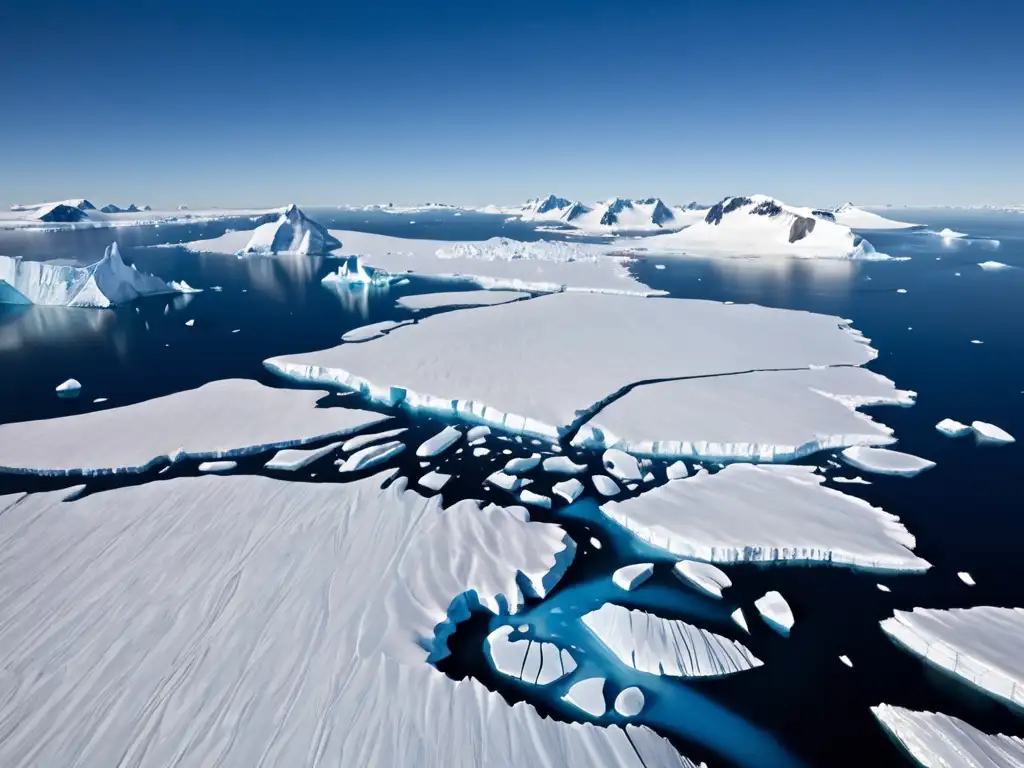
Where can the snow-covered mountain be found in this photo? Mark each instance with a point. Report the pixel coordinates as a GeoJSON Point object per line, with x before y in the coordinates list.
{"type": "Point", "coordinates": [292, 232]}
{"type": "Point", "coordinates": [106, 283]}
{"type": "Point", "coordinates": [615, 215]}
{"type": "Point", "coordinates": [763, 226]}
{"type": "Point", "coordinates": [851, 216]}
{"type": "Point", "coordinates": [80, 203]}
{"type": "Point", "coordinates": [130, 209]}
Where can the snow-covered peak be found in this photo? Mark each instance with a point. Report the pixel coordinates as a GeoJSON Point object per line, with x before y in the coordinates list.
{"type": "Point", "coordinates": [553, 208]}
{"type": "Point", "coordinates": [292, 232]}
{"type": "Point", "coordinates": [79, 202]}
{"type": "Point", "coordinates": [60, 212]}
{"type": "Point", "coordinates": [849, 215]}
{"type": "Point", "coordinates": [622, 213]}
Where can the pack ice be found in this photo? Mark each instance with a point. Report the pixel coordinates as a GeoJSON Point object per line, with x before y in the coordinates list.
{"type": "Point", "coordinates": [223, 419]}
{"type": "Point", "coordinates": [766, 514]}
{"type": "Point", "coordinates": [939, 741]}
{"type": "Point", "coordinates": [982, 646]}
{"type": "Point", "coordinates": [660, 646]}
{"type": "Point", "coordinates": [252, 652]}
{"type": "Point", "coordinates": [105, 283]}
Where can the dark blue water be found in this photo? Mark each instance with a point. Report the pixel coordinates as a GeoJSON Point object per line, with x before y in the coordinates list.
{"type": "Point", "coordinates": [803, 707]}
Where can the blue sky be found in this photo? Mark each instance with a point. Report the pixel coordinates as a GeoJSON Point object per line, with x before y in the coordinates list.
{"type": "Point", "coordinates": [351, 102]}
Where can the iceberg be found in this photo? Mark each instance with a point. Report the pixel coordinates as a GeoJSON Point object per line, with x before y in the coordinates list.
{"type": "Point", "coordinates": [434, 481]}
{"type": "Point", "coordinates": [935, 740]}
{"type": "Point", "coordinates": [292, 459]}
{"type": "Point", "coordinates": [69, 388]}
{"type": "Point", "coordinates": [106, 283]}
{"type": "Point", "coordinates": [660, 646]}
{"type": "Point", "coordinates": [292, 232]}
{"type": "Point", "coordinates": [359, 441]}
{"type": "Point", "coordinates": [352, 272]}
{"type": "Point", "coordinates": [629, 702]}
{"type": "Point", "coordinates": [704, 576]}
{"type": "Point", "coordinates": [439, 443]}
{"type": "Point", "coordinates": [477, 434]}
{"type": "Point", "coordinates": [526, 496]}
{"type": "Point", "coordinates": [563, 465]}
{"type": "Point", "coordinates": [846, 660]}
{"type": "Point", "coordinates": [588, 696]}
{"type": "Point", "coordinates": [740, 620]}
{"type": "Point", "coordinates": [459, 299]}
{"type": "Point", "coordinates": [766, 514]}
{"type": "Point", "coordinates": [221, 420]}
{"type": "Point", "coordinates": [217, 466]}
{"type": "Point", "coordinates": [621, 465]}
{"type": "Point", "coordinates": [532, 662]}
{"type": "Point", "coordinates": [952, 428]}
{"type": "Point", "coordinates": [676, 470]}
{"type": "Point", "coordinates": [371, 456]}
{"type": "Point", "coordinates": [853, 217]}
{"type": "Point", "coordinates": [569, 490]}
{"type": "Point", "coordinates": [990, 433]}
{"type": "Point", "coordinates": [993, 265]}
{"type": "Point", "coordinates": [629, 577]}
{"type": "Point", "coordinates": [776, 612]}
{"type": "Point", "coordinates": [521, 466]}
{"type": "Point", "coordinates": [981, 646]}
{"type": "Point", "coordinates": [885, 462]}
{"type": "Point", "coordinates": [966, 578]}
{"type": "Point", "coordinates": [605, 485]}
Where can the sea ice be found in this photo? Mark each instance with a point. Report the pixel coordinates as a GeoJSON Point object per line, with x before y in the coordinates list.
{"type": "Point", "coordinates": [776, 612]}
{"type": "Point", "coordinates": [479, 451]}
{"type": "Point", "coordinates": [621, 465]}
{"type": "Point", "coordinates": [588, 696]}
{"type": "Point", "coordinates": [966, 578]}
{"type": "Point", "coordinates": [992, 265]}
{"type": "Point", "coordinates": [220, 420]}
{"type": "Point", "coordinates": [569, 489]}
{"type": "Point", "coordinates": [983, 646]}
{"type": "Point", "coordinates": [533, 662]}
{"type": "Point", "coordinates": [629, 702]}
{"type": "Point", "coordinates": [459, 299]}
{"type": "Point", "coordinates": [477, 433]}
{"type": "Point", "coordinates": [439, 443]}
{"type": "Point", "coordinates": [741, 620]}
{"type": "Point", "coordinates": [660, 646]}
{"type": "Point", "coordinates": [766, 513]}
{"type": "Point", "coordinates": [990, 433]}
{"type": "Point", "coordinates": [360, 441]}
{"type": "Point", "coordinates": [952, 428]}
{"type": "Point", "coordinates": [217, 466]}
{"type": "Point", "coordinates": [535, 499]}
{"type": "Point", "coordinates": [504, 481]}
{"type": "Point", "coordinates": [563, 465]}
{"type": "Point", "coordinates": [676, 470]}
{"type": "Point", "coordinates": [371, 456]}
{"type": "Point", "coordinates": [703, 576]}
{"type": "Point", "coordinates": [292, 459]}
{"type": "Point", "coordinates": [851, 480]}
{"type": "Point", "coordinates": [885, 462]}
{"type": "Point", "coordinates": [190, 323]}
{"type": "Point", "coordinates": [939, 741]}
{"type": "Point", "coordinates": [372, 331]}
{"type": "Point", "coordinates": [434, 481]}
{"type": "Point", "coordinates": [595, 543]}
{"type": "Point", "coordinates": [522, 465]}
{"type": "Point", "coordinates": [69, 388]}
{"type": "Point", "coordinates": [846, 661]}
{"type": "Point", "coordinates": [629, 577]}
{"type": "Point", "coordinates": [605, 485]}
{"type": "Point", "coordinates": [883, 588]}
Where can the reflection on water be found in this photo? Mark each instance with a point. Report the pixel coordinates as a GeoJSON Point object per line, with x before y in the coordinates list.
{"type": "Point", "coordinates": [355, 298]}
{"type": "Point", "coordinates": [757, 273]}
{"type": "Point", "coordinates": [22, 326]}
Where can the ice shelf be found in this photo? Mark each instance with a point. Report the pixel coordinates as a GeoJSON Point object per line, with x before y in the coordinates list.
{"type": "Point", "coordinates": [885, 462]}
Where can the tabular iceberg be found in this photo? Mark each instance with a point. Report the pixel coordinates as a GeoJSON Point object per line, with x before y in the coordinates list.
{"type": "Point", "coordinates": [885, 462]}
{"type": "Point", "coordinates": [952, 428]}
{"type": "Point", "coordinates": [629, 577]}
{"type": "Point", "coordinates": [939, 741]}
{"type": "Point", "coordinates": [990, 433]}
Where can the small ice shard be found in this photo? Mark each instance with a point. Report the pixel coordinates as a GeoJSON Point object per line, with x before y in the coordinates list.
{"type": "Point", "coordinates": [676, 470]}
{"type": "Point", "coordinates": [885, 462]}
{"type": "Point", "coordinates": [659, 266]}
{"type": "Point", "coordinates": [522, 465]}
{"type": "Point", "coordinates": [568, 489]}
{"type": "Point", "coordinates": [439, 443]}
{"type": "Point", "coordinates": [703, 576]}
{"type": "Point", "coordinates": [529, 497]}
{"type": "Point", "coordinates": [605, 485]}
{"type": "Point", "coordinates": [993, 265]}
{"type": "Point", "coordinates": [70, 388]}
{"type": "Point", "coordinates": [966, 578]}
{"type": "Point", "coordinates": [883, 588]}
{"type": "Point", "coordinates": [477, 433]}
{"type": "Point", "coordinates": [359, 441]}
{"type": "Point", "coordinates": [504, 481]}
{"type": "Point", "coordinates": [480, 451]}
{"type": "Point", "coordinates": [217, 466]}
{"type": "Point", "coordinates": [935, 740]}
{"type": "Point", "coordinates": [595, 543]}
{"type": "Point", "coordinates": [948, 234]}
{"type": "Point", "coordinates": [190, 323]}
{"type": "Point", "coordinates": [434, 481]}
{"type": "Point", "coordinates": [371, 456]}
{"type": "Point", "coordinates": [621, 465]}
{"type": "Point", "coordinates": [563, 465]}
{"type": "Point", "coordinates": [990, 433]}
{"type": "Point", "coordinates": [629, 702]}
{"type": "Point", "coordinates": [588, 696]}
{"type": "Point", "coordinates": [649, 477]}
{"type": "Point", "coordinates": [237, 330]}
{"type": "Point", "coordinates": [901, 290]}
{"type": "Point", "coordinates": [740, 619]}
{"type": "Point", "coordinates": [291, 459]}
{"type": "Point", "coordinates": [952, 428]}
{"type": "Point", "coordinates": [977, 341]}
{"type": "Point", "coordinates": [776, 612]}
{"type": "Point", "coordinates": [846, 661]}
{"type": "Point", "coordinates": [629, 577]}
{"type": "Point", "coordinates": [851, 480]}
{"type": "Point", "coordinates": [100, 400]}
{"type": "Point", "coordinates": [536, 663]}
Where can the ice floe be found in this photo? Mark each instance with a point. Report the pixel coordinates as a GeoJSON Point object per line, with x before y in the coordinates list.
{"type": "Point", "coordinates": [605, 485]}
{"type": "Point", "coordinates": [883, 588]}
{"type": "Point", "coordinates": [676, 470]}
{"type": "Point", "coordinates": [69, 388]}
{"type": "Point", "coordinates": [983, 646]}
{"type": "Point", "coordinates": [966, 578]}
{"type": "Point", "coordinates": [359, 441]}
{"type": "Point", "coordinates": [291, 459]}
{"type": "Point", "coordinates": [846, 661]}
{"type": "Point", "coordinates": [952, 428]}
{"type": "Point", "coordinates": [563, 465]}
{"type": "Point", "coordinates": [740, 620]}
{"type": "Point", "coordinates": [629, 577]}
{"type": "Point", "coordinates": [477, 433]}
{"type": "Point", "coordinates": [704, 576]}
{"type": "Point", "coordinates": [459, 299]}
{"type": "Point", "coordinates": [371, 456]}
{"type": "Point", "coordinates": [885, 462]}
{"type": "Point", "coordinates": [775, 611]}
{"type": "Point", "coordinates": [853, 217]}
{"type": "Point", "coordinates": [434, 481]}
{"type": "Point", "coordinates": [217, 466]}
{"type": "Point", "coordinates": [851, 480]}
{"type": "Point", "coordinates": [658, 646]}
{"type": "Point", "coordinates": [526, 496]}
{"type": "Point", "coordinates": [504, 481]}
{"type": "Point", "coordinates": [621, 465]}
{"type": "Point", "coordinates": [629, 702]}
{"type": "Point", "coordinates": [439, 443]}
{"type": "Point", "coordinates": [533, 662]}
{"type": "Point", "coordinates": [990, 433]}
{"type": "Point", "coordinates": [588, 696]}
{"type": "Point", "coordinates": [522, 465]}
{"type": "Point", "coordinates": [221, 420]}
{"type": "Point", "coordinates": [936, 740]}
{"type": "Point", "coordinates": [569, 489]}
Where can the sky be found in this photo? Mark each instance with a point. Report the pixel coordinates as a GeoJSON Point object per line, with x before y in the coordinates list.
{"type": "Point", "coordinates": [260, 104]}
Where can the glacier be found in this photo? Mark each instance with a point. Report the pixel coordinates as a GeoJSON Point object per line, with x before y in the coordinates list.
{"type": "Point", "coordinates": [531, 661]}
{"type": "Point", "coordinates": [849, 215]}
{"type": "Point", "coordinates": [221, 420]}
{"type": "Point", "coordinates": [105, 283]}
{"type": "Point", "coordinates": [982, 646]}
{"type": "Point", "coordinates": [936, 740]}
{"type": "Point", "coordinates": [766, 514]}
{"type": "Point", "coordinates": [658, 646]}
{"type": "Point", "coordinates": [885, 462]}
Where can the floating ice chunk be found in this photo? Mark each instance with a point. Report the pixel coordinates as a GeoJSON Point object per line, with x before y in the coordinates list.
{"type": "Point", "coordinates": [522, 465]}
{"type": "Point", "coordinates": [948, 233]}
{"type": "Point", "coordinates": [100, 400]}
{"type": "Point", "coordinates": [885, 462]}
{"type": "Point", "coordinates": [217, 466]}
{"type": "Point", "coordinates": [595, 543]}
{"type": "Point", "coordinates": [504, 481]}
{"type": "Point", "coordinates": [977, 341]}
{"type": "Point", "coordinates": [439, 443]}
{"type": "Point", "coordinates": [759, 513]}
{"type": "Point", "coordinates": [460, 299]}
{"type": "Point", "coordinates": [993, 265]}
{"type": "Point", "coordinates": [846, 661]}
{"type": "Point", "coordinates": [659, 266]}
{"type": "Point", "coordinates": [533, 662]}
{"type": "Point", "coordinates": [588, 696]}
{"type": "Point", "coordinates": [293, 232]}
{"type": "Point", "coordinates": [605, 485]}
{"type": "Point", "coordinates": [629, 702]}
{"type": "Point", "coordinates": [966, 578]}
{"type": "Point", "coordinates": [660, 646]}
{"type": "Point", "coordinates": [883, 588]}
{"type": "Point", "coordinates": [478, 451]}
{"type": "Point", "coordinates": [676, 470]}
{"type": "Point", "coordinates": [703, 576]}
{"type": "Point", "coordinates": [776, 612]}
{"type": "Point", "coordinates": [359, 441]}
{"type": "Point", "coordinates": [434, 481]}
{"type": "Point", "coordinates": [477, 433]}
{"type": "Point", "coordinates": [371, 456]}
{"type": "Point", "coordinates": [983, 646]}
{"type": "Point", "coordinates": [629, 577]}
{"type": "Point", "coordinates": [938, 741]}
{"type": "Point", "coordinates": [190, 323]}
{"type": "Point", "coordinates": [990, 433]}
{"type": "Point", "coordinates": [952, 428]}
{"type": "Point", "coordinates": [69, 388]}
{"type": "Point", "coordinates": [291, 459]}
{"type": "Point", "coordinates": [621, 465]}
{"type": "Point", "coordinates": [568, 489]}
{"type": "Point", "coordinates": [563, 465]}
{"type": "Point", "coordinates": [649, 477]}
{"type": "Point", "coordinates": [529, 497]}
{"type": "Point", "coordinates": [901, 290]}
{"type": "Point", "coordinates": [741, 620]}
{"type": "Point", "coordinates": [851, 480]}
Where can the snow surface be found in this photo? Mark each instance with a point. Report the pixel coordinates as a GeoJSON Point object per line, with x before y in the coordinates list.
{"type": "Point", "coordinates": [588, 696]}
{"type": "Point", "coordinates": [434, 481]}
{"type": "Point", "coordinates": [439, 443]}
{"type": "Point", "coordinates": [939, 741]}
{"type": "Point", "coordinates": [776, 612]}
{"type": "Point", "coordinates": [569, 489]}
{"type": "Point", "coordinates": [983, 646]}
{"type": "Point", "coordinates": [703, 576]}
{"type": "Point", "coordinates": [849, 215]}
{"type": "Point", "coordinates": [371, 456]}
{"type": "Point", "coordinates": [990, 433]}
{"type": "Point", "coordinates": [532, 662]}
{"type": "Point", "coordinates": [605, 485]}
{"type": "Point", "coordinates": [629, 577]}
{"type": "Point", "coordinates": [292, 459]}
{"type": "Point", "coordinates": [293, 232]}
{"type": "Point", "coordinates": [563, 465]}
{"type": "Point", "coordinates": [658, 646]}
{"type": "Point", "coordinates": [459, 299]}
{"type": "Point", "coordinates": [765, 514]}
{"type": "Point", "coordinates": [223, 419]}
{"type": "Point", "coordinates": [952, 428]}
{"type": "Point", "coordinates": [885, 462]}
{"type": "Point", "coordinates": [629, 702]}
{"type": "Point", "coordinates": [253, 638]}
{"type": "Point", "coordinates": [106, 283]}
